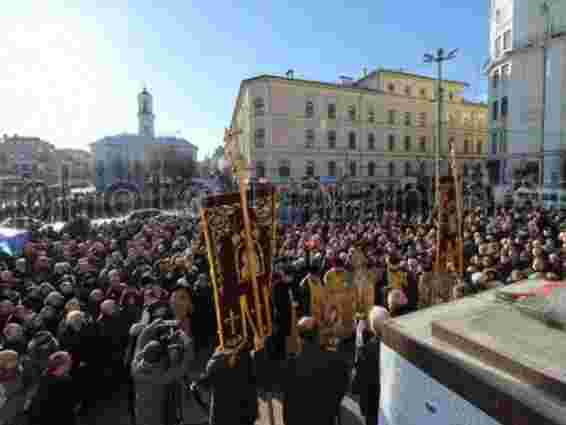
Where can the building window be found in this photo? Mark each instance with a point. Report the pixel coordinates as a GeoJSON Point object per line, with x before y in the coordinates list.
{"type": "Point", "coordinates": [331, 139]}
{"type": "Point", "coordinates": [391, 87]}
{"type": "Point", "coordinates": [422, 168]}
{"type": "Point", "coordinates": [332, 169]}
{"type": "Point", "coordinates": [371, 169]}
{"type": "Point", "coordinates": [498, 46]}
{"type": "Point", "coordinates": [260, 138]}
{"type": "Point", "coordinates": [494, 143]}
{"type": "Point", "coordinates": [407, 118]}
{"type": "Point", "coordinates": [507, 40]}
{"type": "Point", "coordinates": [479, 147]}
{"type": "Point", "coordinates": [407, 143]}
{"type": "Point", "coordinates": [506, 72]}
{"type": "Point", "coordinates": [498, 16]}
{"type": "Point", "coordinates": [494, 111]}
{"type": "Point", "coordinates": [284, 168]}
{"type": "Point", "coordinates": [391, 169]}
{"type": "Point", "coordinates": [391, 117]}
{"type": "Point", "coordinates": [503, 142]}
{"type": "Point", "coordinates": [371, 142]}
{"type": "Point", "coordinates": [466, 146]}
{"type": "Point", "coordinates": [353, 169]}
{"type": "Point", "coordinates": [352, 113]}
{"type": "Point", "coordinates": [371, 116]}
{"type": "Point", "coordinates": [331, 111]}
{"type": "Point", "coordinates": [309, 169]}
{"type": "Point", "coordinates": [504, 106]}
{"type": "Point", "coordinates": [309, 138]}
{"type": "Point", "coordinates": [495, 79]}
{"type": "Point", "coordinates": [259, 106]}
{"type": "Point", "coordinates": [352, 140]}
{"type": "Point", "coordinates": [309, 109]}
{"type": "Point", "coordinates": [391, 142]}
{"type": "Point", "coordinates": [407, 169]}
{"type": "Point", "coordinates": [260, 169]}
{"type": "Point", "coordinates": [423, 93]}
{"type": "Point", "coordinates": [408, 90]}
{"type": "Point", "coordinates": [422, 143]}
{"type": "Point", "coordinates": [422, 119]}
{"type": "Point", "coordinates": [465, 170]}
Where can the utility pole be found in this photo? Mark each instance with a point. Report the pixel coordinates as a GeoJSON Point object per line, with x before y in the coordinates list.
{"type": "Point", "coordinates": [439, 58]}
{"type": "Point", "coordinates": [545, 11]}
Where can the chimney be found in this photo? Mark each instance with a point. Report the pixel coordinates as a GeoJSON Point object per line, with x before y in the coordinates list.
{"type": "Point", "coordinates": [290, 74]}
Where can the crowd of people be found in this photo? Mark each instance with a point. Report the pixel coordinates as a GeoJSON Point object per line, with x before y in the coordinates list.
{"type": "Point", "coordinates": [132, 304]}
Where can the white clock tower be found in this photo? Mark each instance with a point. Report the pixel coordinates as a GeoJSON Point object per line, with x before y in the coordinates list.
{"type": "Point", "coordinates": [145, 114]}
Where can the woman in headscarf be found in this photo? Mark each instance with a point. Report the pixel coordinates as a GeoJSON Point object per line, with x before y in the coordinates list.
{"type": "Point", "coordinates": [56, 397]}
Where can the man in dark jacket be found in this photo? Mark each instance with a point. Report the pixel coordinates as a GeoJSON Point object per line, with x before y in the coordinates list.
{"type": "Point", "coordinates": [315, 382]}
{"type": "Point", "coordinates": [366, 381]}
{"type": "Point", "coordinates": [230, 374]}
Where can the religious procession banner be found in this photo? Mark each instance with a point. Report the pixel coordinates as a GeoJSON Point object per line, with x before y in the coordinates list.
{"type": "Point", "coordinates": [449, 256]}
{"type": "Point", "coordinates": [364, 283]}
{"type": "Point", "coordinates": [242, 309]}
{"type": "Point", "coordinates": [338, 315]}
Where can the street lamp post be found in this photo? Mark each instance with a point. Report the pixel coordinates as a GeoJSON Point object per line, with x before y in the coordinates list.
{"type": "Point", "coordinates": [439, 58]}
{"type": "Point", "coordinates": [545, 11]}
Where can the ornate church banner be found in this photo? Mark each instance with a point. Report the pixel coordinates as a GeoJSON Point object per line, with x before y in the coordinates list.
{"type": "Point", "coordinates": [338, 314]}
{"type": "Point", "coordinates": [241, 309]}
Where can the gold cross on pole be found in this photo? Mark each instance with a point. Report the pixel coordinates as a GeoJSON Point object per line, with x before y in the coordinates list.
{"type": "Point", "coordinates": [232, 321]}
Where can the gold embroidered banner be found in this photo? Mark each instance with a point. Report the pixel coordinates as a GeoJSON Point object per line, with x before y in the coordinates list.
{"type": "Point", "coordinates": [239, 312]}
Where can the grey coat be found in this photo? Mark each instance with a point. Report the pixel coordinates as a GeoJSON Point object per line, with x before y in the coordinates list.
{"type": "Point", "coordinates": [152, 382]}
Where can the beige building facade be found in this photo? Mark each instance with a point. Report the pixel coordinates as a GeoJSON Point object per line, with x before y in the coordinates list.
{"type": "Point", "coordinates": [378, 129]}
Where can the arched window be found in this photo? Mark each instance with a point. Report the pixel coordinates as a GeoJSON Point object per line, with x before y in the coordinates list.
{"type": "Point", "coordinates": [391, 87]}
{"type": "Point", "coordinates": [371, 142]}
{"type": "Point", "coordinates": [371, 169]}
{"type": "Point", "coordinates": [407, 169]}
{"type": "Point", "coordinates": [408, 90]}
{"type": "Point", "coordinates": [391, 142]}
{"type": "Point", "coordinates": [259, 106]}
{"type": "Point", "coordinates": [391, 169]}
{"type": "Point", "coordinates": [284, 168]}
{"type": "Point", "coordinates": [331, 139]}
{"type": "Point", "coordinates": [309, 168]}
{"type": "Point", "coordinates": [407, 143]}
{"type": "Point", "coordinates": [260, 169]}
{"type": "Point", "coordinates": [309, 138]}
{"type": "Point", "coordinates": [309, 109]}
{"type": "Point", "coordinates": [260, 138]}
{"type": "Point", "coordinates": [332, 168]}
{"type": "Point", "coordinates": [353, 168]}
{"type": "Point", "coordinates": [352, 140]}
{"type": "Point", "coordinates": [352, 112]}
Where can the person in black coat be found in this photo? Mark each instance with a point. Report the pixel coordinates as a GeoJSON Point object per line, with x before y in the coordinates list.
{"type": "Point", "coordinates": [230, 375]}
{"type": "Point", "coordinates": [366, 381]}
{"type": "Point", "coordinates": [315, 382]}
{"type": "Point", "coordinates": [55, 399]}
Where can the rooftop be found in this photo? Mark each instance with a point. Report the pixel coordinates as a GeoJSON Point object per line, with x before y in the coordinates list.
{"type": "Point", "coordinates": [408, 74]}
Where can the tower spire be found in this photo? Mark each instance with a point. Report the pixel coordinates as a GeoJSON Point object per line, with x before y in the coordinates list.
{"type": "Point", "coordinates": [146, 117]}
